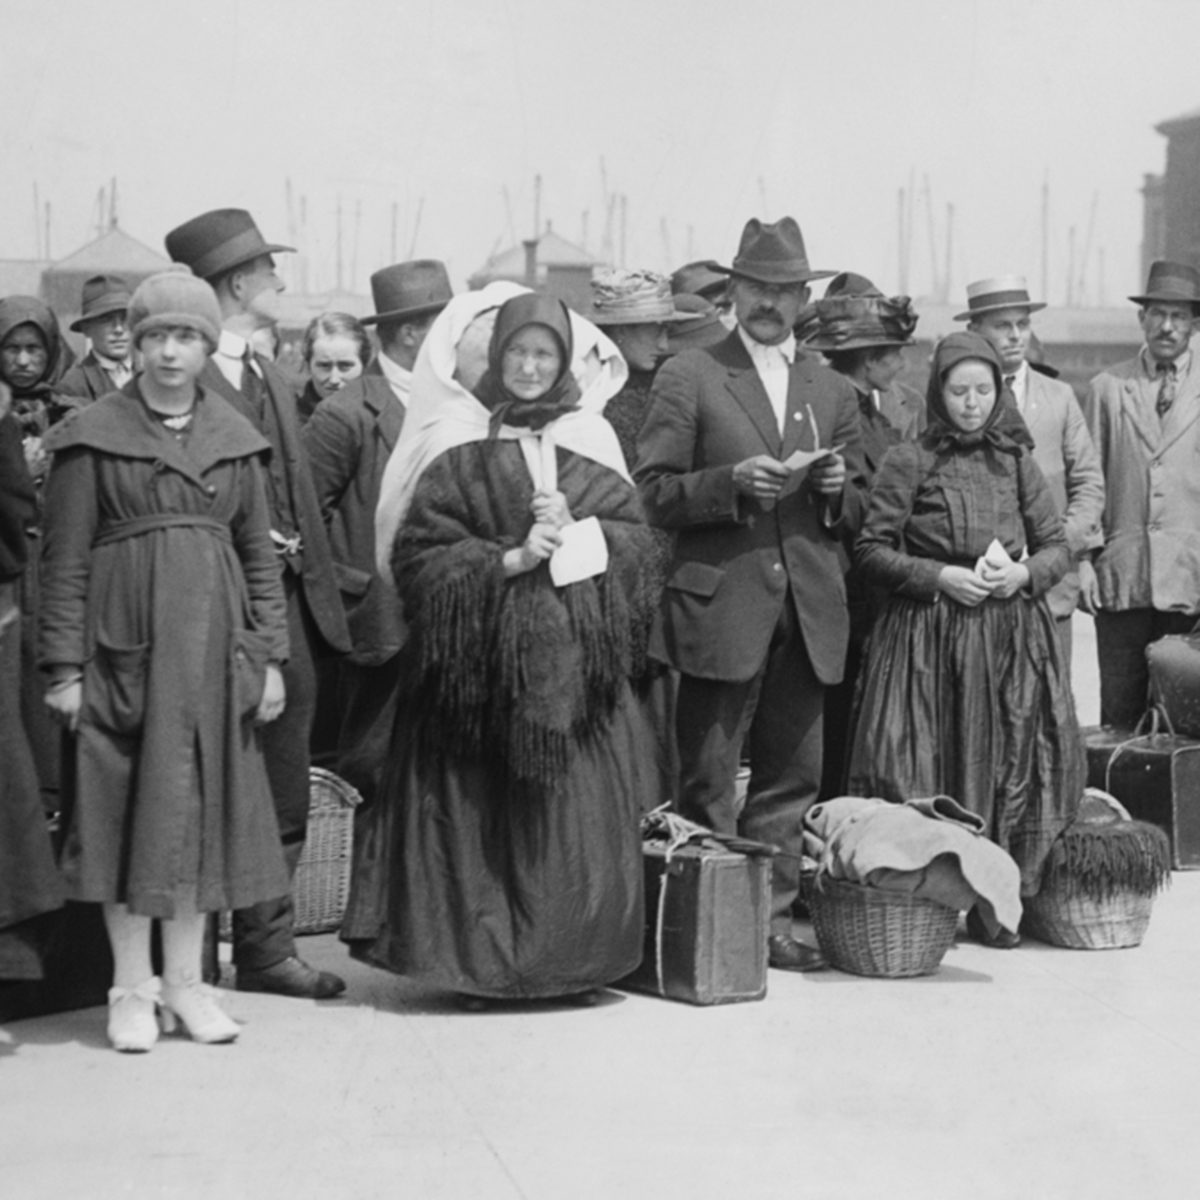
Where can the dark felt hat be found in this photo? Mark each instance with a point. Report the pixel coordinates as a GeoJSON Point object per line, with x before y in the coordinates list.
{"type": "Point", "coordinates": [1171, 283]}
{"type": "Point", "coordinates": [991, 295]}
{"type": "Point", "coordinates": [705, 277]}
{"type": "Point", "coordinates": [773, 254]}
{"type": "Point", "coordinates": [217, 241]}
{"type": "Point", "coordinates": [855, 315]}
{"type": "Point", "coordinates": [407, 290]}
{"type": "Point", "coordinates": [702, 328]}
{"type": "Point", "coordinates": [102, 294]}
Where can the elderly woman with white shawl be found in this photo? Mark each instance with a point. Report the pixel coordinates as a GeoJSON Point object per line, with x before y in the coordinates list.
{"type": "Point", "coordinates": [503, 857]}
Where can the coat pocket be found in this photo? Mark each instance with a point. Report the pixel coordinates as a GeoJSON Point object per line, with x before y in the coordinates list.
{"type": "Point", "coordinates": [115, 687]}
{"type": "Point", "coordinates": [251, 654]}
{"type": "Point", "coordinates": [699, 579]}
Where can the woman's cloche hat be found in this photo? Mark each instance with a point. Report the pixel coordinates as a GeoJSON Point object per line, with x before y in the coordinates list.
{"type": "Point", "coordinates": [407, 290]}
{"type": "Point", "coordinates": [102, 294]}
{"type": "Point", "coordinates": [217, 241]}
{"type": "Point", "coordinates": [174, 298]}
{"type": "Point", "coordinates": [855, 315]}
{"type": "Point", "coordinates": [704, 277]}
{"type": "Point", "coordinates": [991, 295]}
{"type": "Point", "coordinates": [703, 327]}
{"type": "Point", "coordinates": [773, 253]}
{"type": "Point", "coordinates": [1171, 283]}
{"type": "Point", "coordinates": [622, 297]}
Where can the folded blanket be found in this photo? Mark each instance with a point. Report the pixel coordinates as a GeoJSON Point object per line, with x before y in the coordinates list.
{"type": "Point", "coordinates": [930, 847]}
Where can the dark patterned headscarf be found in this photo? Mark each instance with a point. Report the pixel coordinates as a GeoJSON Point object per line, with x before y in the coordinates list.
{"type": "Point", "coordinates": [1004, 428]}
{"type": "Point", "coordinates": [563, 396]}
{"type": "Point", "coordinates": [34, 406]}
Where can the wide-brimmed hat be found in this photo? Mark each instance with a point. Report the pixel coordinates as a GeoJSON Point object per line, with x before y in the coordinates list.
{"type": "Point", "coordinates": [407, 290]}
{"type": "Point", "coordinates": [102, 294]}
{"type": "Point", "coordinates": [773, 254]}
{"type": "Point", "coordinates": [1171, 283]}
{"type": "Point", "coordinates": [991, 295]}
{"type": "Point", "coordinates": [703, 327]}
{"type": "Point", "coordinates": [705, 277]}
{"type": "Point", "coordinates": [218, 240]}
{"type": "Point", "coordinates": [623, 297]}
{"type": "Point", "coordinates": [855, 315]}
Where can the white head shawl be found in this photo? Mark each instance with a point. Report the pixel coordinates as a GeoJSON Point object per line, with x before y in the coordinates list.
{"type": "Point", "coordinates": [443, 414]}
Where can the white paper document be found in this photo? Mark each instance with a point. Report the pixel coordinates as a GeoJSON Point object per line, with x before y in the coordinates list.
{"type": "Point", "coordinates": [582, 554]}
{"type": "Point", "coordinates": [995, 556]}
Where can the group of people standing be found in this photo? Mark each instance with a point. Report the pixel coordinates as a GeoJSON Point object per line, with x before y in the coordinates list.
{"type": "Point", "coordinates": [521, 574]}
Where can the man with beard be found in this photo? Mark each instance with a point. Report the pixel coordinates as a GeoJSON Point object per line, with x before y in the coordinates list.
{"type": "Point", "coordinates": [753, 614]}
{"type": "Point", "coordinates": [1144, 417]}
{"type": "Point", "coordinates": [108, 364]}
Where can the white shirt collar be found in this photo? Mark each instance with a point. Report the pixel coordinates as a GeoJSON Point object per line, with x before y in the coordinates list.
{"type": "Point", "coordinates": [397, 376]}
{"type": "Point", "coordinates": [112, 365]}
{"type": "Point", "coordinates": [763, 353]}
{"type": "Point", "coordinates": [232, 345]}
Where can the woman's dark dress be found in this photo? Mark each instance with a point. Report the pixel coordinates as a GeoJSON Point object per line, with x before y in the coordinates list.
{"type": "Point", "coordinates": [503, 857]}
{"type": "Point", "coordinates": [972, 702]}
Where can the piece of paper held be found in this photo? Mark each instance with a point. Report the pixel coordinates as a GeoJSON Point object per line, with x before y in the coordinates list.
{"type": "Point", "coordinates": [582, 553]}
{"type": "Point", "coordinates": [995, 556]}
{"type": "Point", "coordinates": [801, 460]}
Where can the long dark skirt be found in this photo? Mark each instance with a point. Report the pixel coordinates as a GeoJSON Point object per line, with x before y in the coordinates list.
{"type": "Point", "coordinates": [466, 887]}
{"type": "Point", "coordinates": [974, 703]}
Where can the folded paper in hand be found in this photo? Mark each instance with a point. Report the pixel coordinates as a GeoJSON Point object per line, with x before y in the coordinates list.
{"type": "Point", "coordinates": [801, 460]}
{"type": "Point", "coordinates": [995, 556]}
{"type": "Point", "coordinates": [582, 553]}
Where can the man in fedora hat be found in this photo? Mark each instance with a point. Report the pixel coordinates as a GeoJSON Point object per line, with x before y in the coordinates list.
{"type": "Point", "coordinates": [226, 248]}
{"type": "Point", "coordinates": [108, 364]}
{"type": "Point", "coordinates": [1144, 416]}
{"type": "Point", "coordinates": [753, 614]}
{"type": "Point", "coordinates": [1000, 309]}
{"type": "Point", "coordinates": [349, 439]}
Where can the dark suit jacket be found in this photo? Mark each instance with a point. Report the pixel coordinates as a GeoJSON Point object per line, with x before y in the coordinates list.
{"type": "Point", "coordinates": [349, 439]}
{"type": "Point", "coordinates": [735, 558]}
{"type": "Point", "coordinates": [87, 379]}
{"type": "Point", "coordinates": [283, 432]}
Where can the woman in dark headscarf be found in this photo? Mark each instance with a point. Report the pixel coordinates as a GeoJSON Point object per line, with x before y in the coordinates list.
{"type": "Point", "coordinates": [503, 857]}
{"type": "Point", "coordinates": [964, 690]}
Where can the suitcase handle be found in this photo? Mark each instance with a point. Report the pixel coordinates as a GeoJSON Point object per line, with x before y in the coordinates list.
{"type": "Point", "coordinates": [1154, 714]}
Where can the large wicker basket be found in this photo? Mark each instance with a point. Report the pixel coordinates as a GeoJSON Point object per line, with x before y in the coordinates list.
{"type": "Point", "coordinates": [322, 883]}
{"type": "Point", "coordinates": [868, 931]}
{"type": "Point", "coordinates": [1081, 922]}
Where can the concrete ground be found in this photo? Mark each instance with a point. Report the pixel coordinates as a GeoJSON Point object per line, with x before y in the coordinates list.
{"type": "Point", "coordinates": [1035, 1073]}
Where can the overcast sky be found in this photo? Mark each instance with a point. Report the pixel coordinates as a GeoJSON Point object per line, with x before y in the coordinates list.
{"type": "Point", "coordinates": [703, 114]}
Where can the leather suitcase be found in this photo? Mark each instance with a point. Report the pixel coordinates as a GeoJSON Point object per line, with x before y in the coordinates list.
{"type": "Point", "coordinates": [1156, 776]}
{"type": "Point", "coordinates": [1174, 664]}
{"type": "Point", "coordinates": [707, 917]}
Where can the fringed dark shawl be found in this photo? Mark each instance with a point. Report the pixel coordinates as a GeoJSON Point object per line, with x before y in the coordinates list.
{"type": "Point", "coordinates": [516, 672]}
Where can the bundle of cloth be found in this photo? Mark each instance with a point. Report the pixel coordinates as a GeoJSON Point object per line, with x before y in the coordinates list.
{"type": "Point", "coordinates": [932, 848]}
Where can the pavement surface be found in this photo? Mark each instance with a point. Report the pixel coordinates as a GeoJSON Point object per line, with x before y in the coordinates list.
{"type": "Point", "coordinates": [1038, 1072]}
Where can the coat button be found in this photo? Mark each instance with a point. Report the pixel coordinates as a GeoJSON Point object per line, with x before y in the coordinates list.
{"type": "Point", "coordinates": [212, 491]}
{"type": "Point", "coordinates": [777, 567]}
{"type": "Point", "coordinates": [797, 416]}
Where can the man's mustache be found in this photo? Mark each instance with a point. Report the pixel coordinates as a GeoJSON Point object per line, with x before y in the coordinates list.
{"type": "Point", "coordinates": [765, 312]}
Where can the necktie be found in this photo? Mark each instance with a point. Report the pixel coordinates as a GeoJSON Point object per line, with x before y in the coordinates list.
{"type": "Point", "coordinates": [252, 384]}
{"type": "Point", "coordinates": [1166, 389]}
{"type": "Point", "coordinates": [1009, 380]}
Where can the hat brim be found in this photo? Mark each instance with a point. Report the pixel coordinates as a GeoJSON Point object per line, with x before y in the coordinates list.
{"type": "Point", "coordinates": [1161, 299]}
{"type": "Point", "coordinates": [780, 277]}
{"type": "Point", "coordinates": [405, 314]}
{"type": "Point", "coordinates": [1033, 306]}
{"type": "Point", "coordinates": [671, 318]}
{"type": "Point", "coordinates": [827, 347]}
{"type": "Point", "coordinates": [105, 309]}
{"type": "Point", "coordinates": [240, 260]}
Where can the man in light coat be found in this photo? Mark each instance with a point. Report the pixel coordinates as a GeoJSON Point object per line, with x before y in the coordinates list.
{"type": "Point", "coordinates": [753, 613]}
{"type": "Point", "coordinates": [1144, 416]}
{"type": "Point", "coordinates": [999, 309]}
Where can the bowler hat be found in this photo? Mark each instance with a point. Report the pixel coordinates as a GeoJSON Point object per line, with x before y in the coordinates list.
{"type": "Point", "coordinates": [409, 289]}
{"type": "Point", "coordinates": [773, 254]}
{"type": "Point", "coordinates": [102, 294]}
{"type": "Point", "coordinates": [218, 240]}
{"type": "Point", "coordinates": [855, 315]}
{"type": "Point", "coordinates": [1171, 283]}
{"type": "Point", "coordinates": [705, 277]}
{"type": "Point", "coordinates": [991, 295]}
{"type": "Point", "coordinates": [702, 328]}
{"type": "Point", "coordinates": [621, 297]}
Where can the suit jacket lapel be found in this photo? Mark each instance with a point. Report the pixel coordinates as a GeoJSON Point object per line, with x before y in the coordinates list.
{"type": "Point", "coordinates": [747, 389]}
{"type": "Point", "coordinates": [798, 430]}
{"type": "Point", "coordinates": [1185, 412]}
{"type": "Point", "coordinates": [213, 378]}
{"type": "Point", "coordinates": [386, 407]}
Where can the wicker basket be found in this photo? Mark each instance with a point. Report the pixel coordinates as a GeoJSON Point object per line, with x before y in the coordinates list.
{"type": "Point", "coordinates": [1084, 923]}
{"type": "Point", "coordinates": [322, 883]}
{"type": "Point", "coordinates": [868, 931]}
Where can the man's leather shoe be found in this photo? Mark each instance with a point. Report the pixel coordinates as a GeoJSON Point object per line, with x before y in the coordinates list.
{"type": "Point", "coordinates": [787, 954]}
{"type": "Point", "coordinates": [292, 977]}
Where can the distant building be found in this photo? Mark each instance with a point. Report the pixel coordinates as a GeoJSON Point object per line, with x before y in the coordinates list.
{"type": "Point", "coordinates": [549, 264]}
{"type": "Point", "coordinates": [1171, 216]}
{"type": "Point", "coordinates": [22, 276]}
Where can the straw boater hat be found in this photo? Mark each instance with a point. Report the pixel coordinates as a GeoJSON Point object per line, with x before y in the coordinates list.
{"type": "Point", "coordinates": [855, 315]}
{"type": "Point", "coordinates": [217, 241]}
{"type": "Point", "coordinates": [703, 328]}
{"type": "Point", "coordinates": [701, 278]}
{"type": "Point", "coordinates": [621, 297]}
{"type": "Point", "coordinates": [102, 294]}
{"type": "Point", "coordinates": [1171, 283]}
{"type": "Point", "coordinates": [991, 295]}
{"type": "Point", "coordinates": [409, 290]}
{"type": "Point", "coordinates": [773, 254]}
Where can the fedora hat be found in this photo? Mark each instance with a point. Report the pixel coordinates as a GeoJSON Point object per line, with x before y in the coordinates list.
{"type": "Point", "coordinates": [705, 277]}
{"type": "Point", "coordinates": [773, 254]}
{"type": "Point", "coordinates": [102, 294]}
{"type": "Point", "coordinates": [1171, 283]}
{"type": "Point", "coordinates": [991, 295]}
{"type": "Point", "coordinates": [218, 240]}
{"type": "Point", "coordinates": [621, 297]}
{"type": "Point", "coordinates": [855, 315]}
{"type": "Point", "coordinates": [703, 326]}
{"type": "Point", "coordinates": [409, 289]}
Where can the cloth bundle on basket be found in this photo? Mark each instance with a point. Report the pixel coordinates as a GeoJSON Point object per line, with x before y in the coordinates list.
{"type": "Point", "coordinates": [1101, 878]}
